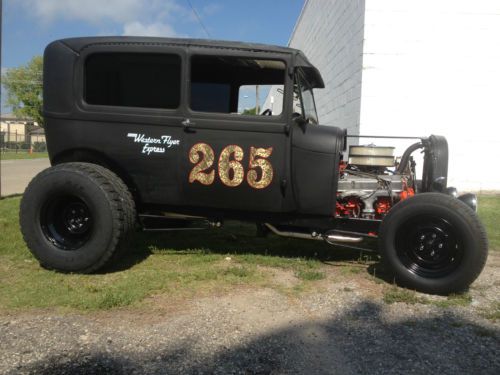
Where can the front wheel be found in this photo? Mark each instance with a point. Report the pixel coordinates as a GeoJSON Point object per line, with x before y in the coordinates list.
{"type": "Point", "coordinates": [433, 243]}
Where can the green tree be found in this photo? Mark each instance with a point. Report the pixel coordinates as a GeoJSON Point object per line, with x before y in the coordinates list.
{"type": "Point", "coordinates": [249, 111]}
{"type": "Point", "coordinates": [24, 89]}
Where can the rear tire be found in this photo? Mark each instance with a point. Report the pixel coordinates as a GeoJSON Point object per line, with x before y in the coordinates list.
{"type": "Point", "coordinates": [74, 216]}
{"type": "Point", "coordinates": [433, 243]}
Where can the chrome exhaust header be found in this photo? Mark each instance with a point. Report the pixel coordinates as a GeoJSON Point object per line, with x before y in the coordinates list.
{"type": "Point", "coordinates": [328, 237]}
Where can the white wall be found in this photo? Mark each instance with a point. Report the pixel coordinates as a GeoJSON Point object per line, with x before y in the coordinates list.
{"type": "Point", "coordinates": [433, 67]}
{"type": "Point", "coordinates": [330, 33]}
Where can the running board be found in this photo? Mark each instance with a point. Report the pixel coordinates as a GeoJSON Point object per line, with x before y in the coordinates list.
{"type": "Point", "coordinates": [170, 223]}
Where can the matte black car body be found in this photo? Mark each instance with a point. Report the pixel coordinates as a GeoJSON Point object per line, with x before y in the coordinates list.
{"type": "Point", "coordinates": [77, 131]}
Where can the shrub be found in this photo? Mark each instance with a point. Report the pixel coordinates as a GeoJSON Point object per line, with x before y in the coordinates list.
{"type": "Point", "coordinates": [39, 147]}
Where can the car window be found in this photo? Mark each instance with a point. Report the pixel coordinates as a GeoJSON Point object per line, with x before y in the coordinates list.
{"type": "Point", "coordinates": [304, 100]}
{"type": "Point", "coordinates": [260, 100]}
{"type": "Point", "coordinates": [133, 80]}
{"type": "Point", "coordinates": [237, 85]}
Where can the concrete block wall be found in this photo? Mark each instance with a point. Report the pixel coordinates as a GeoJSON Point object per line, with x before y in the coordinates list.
{"type": "Point", "coordinates": [330, 32]}
{"type": "Point", "coordinates": [433, 67]}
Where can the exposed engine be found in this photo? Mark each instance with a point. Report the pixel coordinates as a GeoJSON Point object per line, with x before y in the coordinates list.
{"type": "Point", "coordinates": [371, 182]}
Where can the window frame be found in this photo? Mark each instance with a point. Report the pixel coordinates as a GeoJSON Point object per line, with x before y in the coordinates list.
{"type": "Point", "coordinates": [301, 79]}
{"type": "Point", "coordinates": [201, 51]}
{"type": "Point", "coordinates": [111, 112]}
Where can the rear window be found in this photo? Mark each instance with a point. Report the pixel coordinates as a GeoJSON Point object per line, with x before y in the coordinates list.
{"type": "Point", "coordinates": [133, 80]}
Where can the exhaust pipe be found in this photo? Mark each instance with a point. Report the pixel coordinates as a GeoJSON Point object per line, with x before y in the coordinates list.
{"type": "Point", "coordinates": [330, 238]}
{"type": "Point", "coordinates": [344, 239]}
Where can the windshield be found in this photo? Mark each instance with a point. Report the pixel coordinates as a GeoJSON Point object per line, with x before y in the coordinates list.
{"type": "Point", "coordinates": [304, 100]}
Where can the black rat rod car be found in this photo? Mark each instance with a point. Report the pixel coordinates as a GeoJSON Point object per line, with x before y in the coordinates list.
{"type": "Point", "coordinates": [171, 133]}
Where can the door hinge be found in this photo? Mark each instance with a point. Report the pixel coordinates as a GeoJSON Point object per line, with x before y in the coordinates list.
{"type": "Point", "coordinates": [283, 184]}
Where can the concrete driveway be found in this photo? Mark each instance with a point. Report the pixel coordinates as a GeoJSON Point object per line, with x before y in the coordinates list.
{"type": "Point", "coordinates": [16, 174]}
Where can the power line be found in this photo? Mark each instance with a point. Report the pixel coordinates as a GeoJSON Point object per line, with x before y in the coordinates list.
{"type": "Point", "coordinates": [198, 18]}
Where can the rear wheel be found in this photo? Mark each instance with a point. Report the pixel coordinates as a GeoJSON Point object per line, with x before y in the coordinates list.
{"type": "Point", "coordinates": [73, 216]}
{"type": "Point", "coordinates": [433, 243]}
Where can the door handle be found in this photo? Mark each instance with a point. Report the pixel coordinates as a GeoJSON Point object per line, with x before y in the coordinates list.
{"type": "Point", "coordinates": [187, 123]}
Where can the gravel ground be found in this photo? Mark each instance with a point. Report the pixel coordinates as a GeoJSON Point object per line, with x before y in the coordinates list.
{"type": "Point", "coordinates": [343, 327]}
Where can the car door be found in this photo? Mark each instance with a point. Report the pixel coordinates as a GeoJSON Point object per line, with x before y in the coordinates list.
{"type": "Point", "coordinates": [234, 161]}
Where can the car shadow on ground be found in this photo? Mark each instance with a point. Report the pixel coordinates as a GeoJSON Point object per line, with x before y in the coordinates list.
{"type": "Point", "coordinates": [237, 238]}
{"type": "Point", "coordinates": [360, 341]}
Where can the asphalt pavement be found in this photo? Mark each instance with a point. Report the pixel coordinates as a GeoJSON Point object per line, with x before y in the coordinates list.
{"type": "Point", "coordinates": [15, 175]}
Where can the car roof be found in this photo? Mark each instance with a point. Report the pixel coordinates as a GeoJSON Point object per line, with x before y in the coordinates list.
{"type": "Point", "coordinates": [300, 60]}
{"type": "Point", "coordinates": [78, 44]}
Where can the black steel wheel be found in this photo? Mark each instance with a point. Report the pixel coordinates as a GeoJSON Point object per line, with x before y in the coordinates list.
{"type": "Point", "coordinates": [429, 246]}
{"type": "Point", "coordinates": [433, 243]}
{"type": "Point", "coordinates": [74, 216]}
{"type": "Point", "coordinates": [66, 221]}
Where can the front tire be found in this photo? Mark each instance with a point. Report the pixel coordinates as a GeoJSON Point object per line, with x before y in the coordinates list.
{"type": "Point", "coordinates": [73, 216]}
{"type": "Point", "coordinates": [433, 243]}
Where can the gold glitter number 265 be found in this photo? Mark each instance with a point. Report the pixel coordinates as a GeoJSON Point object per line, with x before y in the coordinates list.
{"type": "Point", "coordinates": [264, 165]}
{"type": "Point", "coordinates": [227, 166]}
{"type": "Point", "coordinates": [231, 171]}
{"type": "Point", "coordinates": [202, 164]}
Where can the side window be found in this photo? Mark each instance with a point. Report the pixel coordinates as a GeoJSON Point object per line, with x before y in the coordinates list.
{"type": "Point", "coordinates": [304, 103]}
{"type": "Point", "coordinates": [260, 100]}
{"type": "Point", "coordinates": [133, 80]}
{"type": "Point", "coordinates": [237, 85]}
{"type": "Point", "coordinates": [297, 106]}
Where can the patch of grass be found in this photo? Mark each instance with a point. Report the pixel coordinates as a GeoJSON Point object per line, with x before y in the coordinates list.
{"type": "Point", "coordinates": [239, 272]}
{"type": "Point", "coordinates": [177, 265]}
{"type": "Point", "coordinates": [310, 275]}
{"type": "Point", "coordinates": [351, 270]}
{"type": "Point", "coordinates": [488, 208]}
{"type": "Point", "coordinates": [453, 300]}
{"type": "Point", "coordinates": [278, 261]}
{"type": "Point", "coordinates": [147, 269]}
{"type": "Point", "coordinates": [112, 299]}
{"type": "Point", "coordinates": [493, 312]}
{"type": "Point", "coordinates": [299, 289]}
{"type": "Point", "coordinates": [22, 155]}
{"type": "Point", "coordinates": [172, 264]}
{"type": "Point", "coordinates": [395, 294]}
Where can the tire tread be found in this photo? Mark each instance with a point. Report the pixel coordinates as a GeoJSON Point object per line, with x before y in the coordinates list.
{"type": "Point", "coordinates": [115, 191]}
{"type": "Point", "coordinates": [440, 200]}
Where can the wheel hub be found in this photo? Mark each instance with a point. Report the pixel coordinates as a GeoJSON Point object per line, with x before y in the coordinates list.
{"type": "Point", "coordinates": [66, 221]}
{"type": "Point", "coordinates": [76, 217]}
{"type": "Point", "coordinates": [429, 246]}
